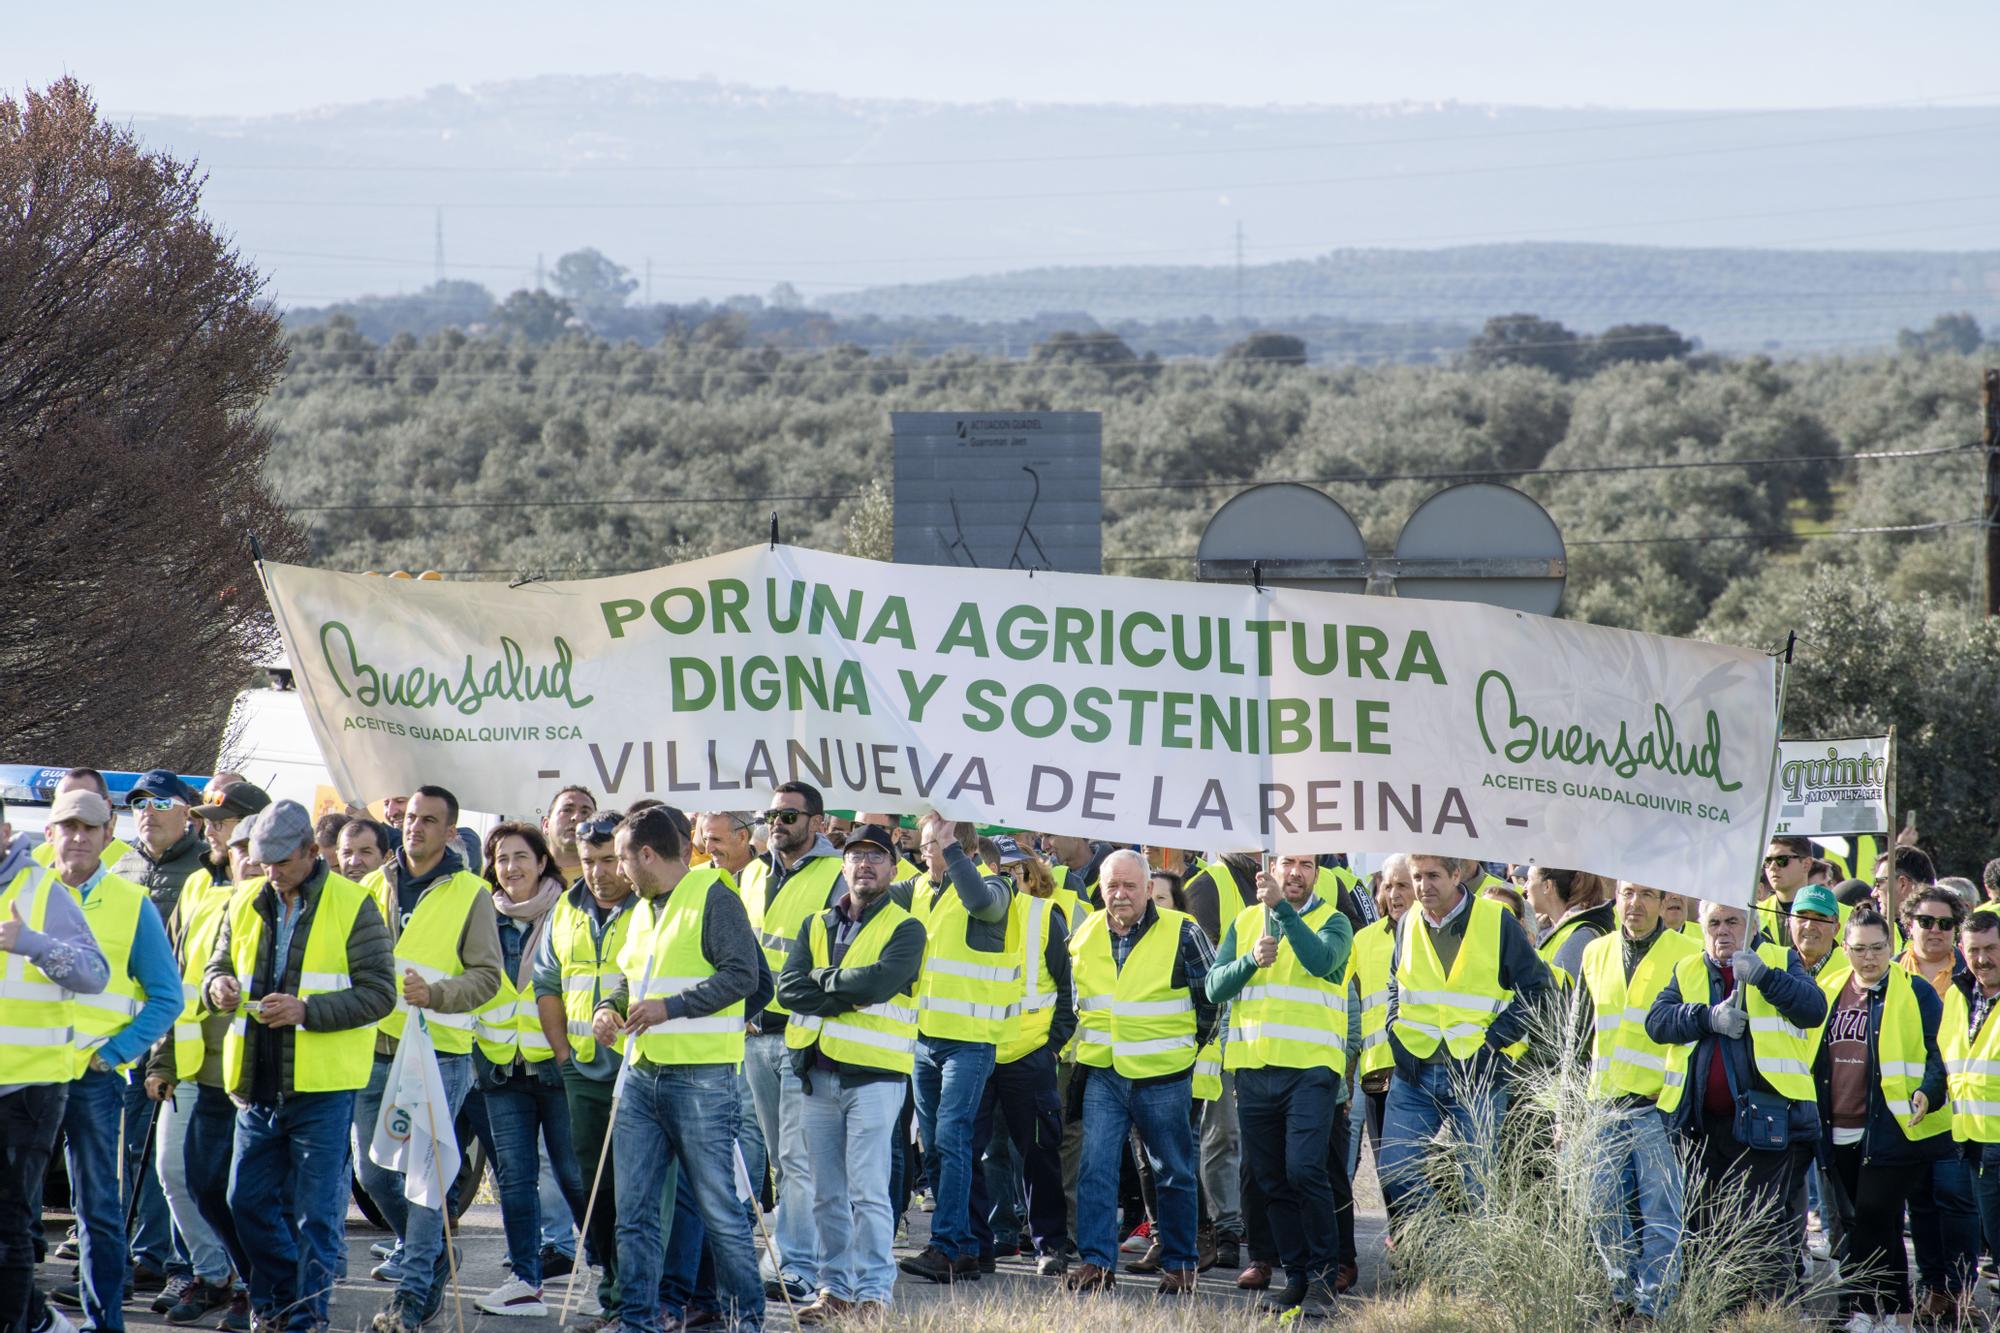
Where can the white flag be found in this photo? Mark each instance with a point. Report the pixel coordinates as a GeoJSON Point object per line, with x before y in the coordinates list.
{"type": "Point", "coordinates": [414, 1133]}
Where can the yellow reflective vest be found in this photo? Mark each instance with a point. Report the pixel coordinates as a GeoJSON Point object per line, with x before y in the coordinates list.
{"type": "Point", "coordinates": [37, 1014]}
{"type": "Point", "coordinates": [963, 993]}
{"type": "Point", "coordinates": [204, 905]}
{"type": "Point", "coordinates": [509, 1026]}
{"type": "Point", "coordinates": [589, 969]}
{"type": "Point", "coordinates": [1624, 1061]}
{"type": "Point", "coordinates": [1368, 964]}
{"type": "Point", "coordinates": [778, 920]}
{"type": "Point", "coordinates": [1026, 1030]}
{"type": "Point", "coordinates": [112, 911]}
{"type": "Point", "coordinates": [1285, 1017]}
{"type": "Point", "coordinates": [875, 1036]}
{"type": "Point", "coordinates": [1208, 1073]}
{"type": "Point", "coordinates": [1132, 1019]}
{"type": "Point", "coordinates": [1972, 1069]}
{"type": "Point", "coordinates": [428, 946]}
{"type": "Point", "coordinates": [1899, 1057]}
{"type": "Point", "coordinates": [1783, 1054]}
{"type": "Point", "coordinates": [321, 1061]}
{"type": "Point", "coordinates": [662, 957]}
{"type": "Point", "coordinates": [1455, 1007]}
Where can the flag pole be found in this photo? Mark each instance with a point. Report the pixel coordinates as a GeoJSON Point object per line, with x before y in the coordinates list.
{"type": "Point", "coordinates": [444, 1201]}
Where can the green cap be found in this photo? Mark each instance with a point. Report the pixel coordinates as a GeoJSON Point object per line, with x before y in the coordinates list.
{"type": "Point", "coordinates": [1816, 898]}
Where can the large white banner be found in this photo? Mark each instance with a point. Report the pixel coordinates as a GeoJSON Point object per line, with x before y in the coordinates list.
{"type": "Point", "coordinates": [1832, 786]}
{"type": "Point", "coordinates": [1203, 716]}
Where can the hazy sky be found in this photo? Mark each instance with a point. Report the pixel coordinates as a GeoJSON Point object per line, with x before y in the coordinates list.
{"type": "Point", "coordinates": [196, 57]}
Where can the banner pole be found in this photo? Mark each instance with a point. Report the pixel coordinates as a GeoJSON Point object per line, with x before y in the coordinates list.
{"type": "Point", "coordinates": [1771, 776]}
{"type": "Point", "coordinates": [444, 1197]}
{"type": "Point", "coordinates": [1888, 837]}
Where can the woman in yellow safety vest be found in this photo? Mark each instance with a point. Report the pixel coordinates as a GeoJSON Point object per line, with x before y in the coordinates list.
{"type": "Point", "coordinates": [514, 1069]}
{"type": "Point", "coordinates": [1884, 1112]}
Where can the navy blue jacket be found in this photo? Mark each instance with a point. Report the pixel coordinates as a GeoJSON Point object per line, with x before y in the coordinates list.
{"type": "Point", "coordinates": [1883, 1142]}
{"type": "Point", "coordinates": [1674, 1020]}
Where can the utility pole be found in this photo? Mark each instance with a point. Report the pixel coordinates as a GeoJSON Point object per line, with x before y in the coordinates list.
{"type": "Point", "coordinates": [1990, 507]}
{"type": "Point", "coordinates": [1239, 270]}
{"type": "Point", "coordinates": [437, 260]}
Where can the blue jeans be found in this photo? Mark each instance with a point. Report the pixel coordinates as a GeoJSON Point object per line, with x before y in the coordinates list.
{"type": "Point", "coordinates": [1021, 1170]}
{"type": "Point", "coordinates": [558, 1232]}
{"type": "Point", "coordinates": [685, 1115]}
{"type": "Point", "coordinates": [750, 1138]}
{"type": "Point", "coordinates": [196, 1246]}
{"type": "Point", "coordinates": [521, 1115]}
{"type": "Point", "coordinates": [90, 1126]}
{"type": "Point", "coordinates": [848, 1129]}
{"type": "Point", "coordinates": [290, 1193]}
{"type": "Point", "coordinates": [1984, 1161]}
{"type": "Point", "coordinates": [1113, 1106]}
{"type": "Point", "coordinates": [152, 1239]}
{"type": "Point", "coordinates": [1639, 1173]}
{"type": "Point", "coordinates": [1415, 1112]}
{"type": "Point", "coordinates": [950, 1079]}
{"type": "Point", "coordinates": [1944, 1226]}
{"type": "Point", "coordinates": [384, 1187]}
{"type": "Point", "coordinates": [210, 1151]}
{"type": "Point", "coordinates": [425, 1265]}
{"type": "Point", "coordinates": [777, 1095]}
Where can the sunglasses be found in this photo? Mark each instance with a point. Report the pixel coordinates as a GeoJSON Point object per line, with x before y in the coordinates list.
{"type": "Point", "coordinates": [1783, 860]}
{"type": "Point", "coordinates": [598, 828]}
{"type": "Point", "coordinates": [1922, 922]}
{"type": "Point", "coordinates": [155, 803]}
{"type": "Point", "coordinates": [785, 817]}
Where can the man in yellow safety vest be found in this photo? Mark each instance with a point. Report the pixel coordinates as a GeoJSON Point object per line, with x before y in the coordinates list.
{"type": "Point", "coordinates": [1741, 1024]}
{"type": "Point", "coordinates": [448, 963]}
{"type": "Point", "coordinates": [851, 984]}
{"type": "Point", "coordinates": [304, 965]}
{"type": "Point", "coordinates": [968, 986]}
{"type": "Point", "coordinates": [1141, 977]}
{"type": "Point", "coordinates": [690, 971]}
{"type": "Point", "coordinates": [1970, 1041]}
{"type": "Point", "coordinates": [50, 958]}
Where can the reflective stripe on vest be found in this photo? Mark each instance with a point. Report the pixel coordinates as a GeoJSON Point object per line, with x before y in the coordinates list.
{"type": "Point", "coordinates": [204, 906]}
{"type": "Point", "coordinates": [1899, 1055]}
{"type": "Point", "coordinates": [1208, 1073]}
{"type": "Point", "coordinates": [1456, 1008]}
{"type": "Point", "coordinates": [1368, 964]}
{"type": "Point", "coordinates": [1972, 1069]}
{"type": "Point", "coordinates": [1132, 1019]}
{"type": "Point", "coordinates": [428, 946]}
{"type": "Point", "coordinates": [1624, 1061]}
{"type": "Point", "coordinates": [112, 913]}
{"type": "Point", "coordinates": [1782, 1053]}
{"type": "Point", "coordinates": [662, 957]}
{"type": "Point", "coordinates": [1027, 1028]}
{"type": "Point", "coordinates": [589, 973]}
{"type": "Point", "coordinates": [37, 1034]}
{"type": "Point", "coordinates": [875, 1036]}
{"type": "Point", "coordinates": [336, 1061]}
{"type": "Point", "coordinates": [1285, 1018]}
{"type": "Point", "coordinates": [805, 894]}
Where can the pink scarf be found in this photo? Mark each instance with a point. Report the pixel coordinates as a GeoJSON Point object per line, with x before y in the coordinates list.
{"type": "Point", "coordinates": [535, 909]}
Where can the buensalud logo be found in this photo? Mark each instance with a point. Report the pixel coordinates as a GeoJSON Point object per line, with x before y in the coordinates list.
{"type": "Point", "coordinates": [507, 674]}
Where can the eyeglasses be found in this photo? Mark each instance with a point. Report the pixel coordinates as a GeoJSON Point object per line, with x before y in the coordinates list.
{"type": "Point", "coordinates": [598, 828]}
{"type": "Point", "coordinates": [155, 803]}
{"type": "Point", "coordinates": [785, 817]}
{"type": "Point", "coordinates": [1924, 921]}
{"type": "Point", "coordinates": [1783, 859]}
{"type": "Point", "coordinates": [864, 851]}
{"type": "Point", "coordinates": [1868, 950]}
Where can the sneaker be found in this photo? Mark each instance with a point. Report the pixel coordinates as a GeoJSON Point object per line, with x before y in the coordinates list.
{"type": "Point", "coordinates": [398, 1316]}
{"type": "Point", "coordinates": [145, 1277]}
{"type": "Point", "coordinates": [589, 1306]}
{"type": "Point", "coordinates": [555, 1263]}
{"type": "Point", "coordinates": [1283, 1299]}
{"type": "Point", "coordinates": [1051, 1265]}
{"type": "Point", "coordinates": [514, 1297]}
{"type": "Point", "coordinates": [196, 1301]}
{"type": "Point", "coordinates": [1150, 1261]}
{"type": "Point", "coordinates": [57, 1322]}
{"type": "Point", "coordinates": [1228, 1251]}
{"type": "Point", "coordinates": [828, 1309]}
{"type": "Point", "coordinates": [930, 1262]}
{"type": "Point", "coordinates": [1141, 1237]}
{"type": "Point", "coordinates": [69, 1296]}
{"type": "Point", "coordinates": [383, 1249]}
{"type": "Point", "coordinates": [929, 1203]}
{"type": "Point", "coordinates": [389, 1270]}
{"type": "Point", "coordinates": [70, 1249]}
{"type": "Point", "coordinates": [238, 1318]}
{"type": "Point", "coordinates": [789, 1288]}
{"type": "Point", "coordinates": [1321, 1301]}
{"type": "Point", "coordinates": [170, 1295]}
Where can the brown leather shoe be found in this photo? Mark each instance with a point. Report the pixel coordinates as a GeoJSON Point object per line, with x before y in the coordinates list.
{"type": "Point", "coordinates": [1179, 1282]}
{"type": "Point", "coordinates": [1149, 1262]}
{"type": "Point", "coordinates": [1257, 1277]}
{"type": "Point", "coordinates": [1086, 1278]}
{"type": "Point", "coordinates": [1344, 1278]}
{"type": "Point", "coordinates": [826, 1309]}
{"type": "Point", "coordinates": [1204, 1249]}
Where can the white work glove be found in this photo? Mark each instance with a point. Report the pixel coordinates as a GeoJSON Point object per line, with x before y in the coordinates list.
{"type": "Point", "coordinates": [1726, 1020]}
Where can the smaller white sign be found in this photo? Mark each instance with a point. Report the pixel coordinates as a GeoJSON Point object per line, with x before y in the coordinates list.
{"type": "Point", "coordinates": [1833, 786]}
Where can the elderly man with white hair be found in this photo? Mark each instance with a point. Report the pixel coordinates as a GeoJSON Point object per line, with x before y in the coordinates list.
{"type": "Point", "coordinates": [1140, 976]}
{"type": "Point", "coordinates": [1741, 1025]}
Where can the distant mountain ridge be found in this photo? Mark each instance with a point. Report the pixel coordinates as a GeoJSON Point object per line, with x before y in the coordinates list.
{"type": "Point", "coordinates": [858, 203]}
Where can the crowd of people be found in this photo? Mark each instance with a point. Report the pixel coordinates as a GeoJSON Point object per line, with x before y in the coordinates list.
{"type": "Point", "coordinates": [677, 1035]}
